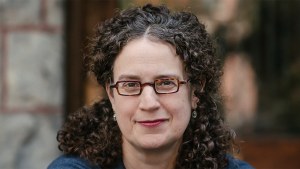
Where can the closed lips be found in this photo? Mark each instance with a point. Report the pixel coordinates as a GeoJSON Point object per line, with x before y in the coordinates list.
{"type": "Point", "coordinates": [152, 122]}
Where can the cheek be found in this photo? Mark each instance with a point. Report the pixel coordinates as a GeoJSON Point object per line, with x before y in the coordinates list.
{"type": "Point", "coordinates": [185, 112]}
{"type": "Point", "coordinates": [125, 109]}
{"type": "Point", "coordinates": [181, 118]}
{"type": "Point", "coordinates": [181, 110]}
{"type": "Point", "coordinates": [124, 113]}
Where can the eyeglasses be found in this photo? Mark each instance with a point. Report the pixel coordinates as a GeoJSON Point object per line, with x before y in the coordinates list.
{"type": "Point", "coordinates": [160, 86]}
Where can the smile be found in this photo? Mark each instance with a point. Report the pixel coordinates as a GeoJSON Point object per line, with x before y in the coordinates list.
{"type": "Point", "coordinates": [152, 123]}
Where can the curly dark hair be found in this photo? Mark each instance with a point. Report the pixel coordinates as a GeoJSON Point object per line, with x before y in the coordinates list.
{"type": "Point", "coordinates": [92, 133]}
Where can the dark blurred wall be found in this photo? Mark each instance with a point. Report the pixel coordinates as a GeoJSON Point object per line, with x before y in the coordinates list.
{"type": "Point", "coordinates": [274, 47]}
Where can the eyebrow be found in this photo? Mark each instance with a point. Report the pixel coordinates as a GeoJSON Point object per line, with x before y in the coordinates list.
{"type": "Point", "coordinates": [128, 76]}
{"type": "Point", "coordinates": [136, 77]}
{"type": "Point", "coordinates": [168, 76]}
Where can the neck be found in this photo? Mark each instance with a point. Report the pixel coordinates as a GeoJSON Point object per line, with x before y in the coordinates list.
{"type": "Point", "coordinates": [162, 158]}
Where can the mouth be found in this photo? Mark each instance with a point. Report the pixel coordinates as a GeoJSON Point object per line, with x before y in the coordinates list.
{"type": "Point", "coordinates": [152, 123]}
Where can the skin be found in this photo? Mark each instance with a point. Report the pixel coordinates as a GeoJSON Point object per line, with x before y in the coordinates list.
{"type": "Point", "coordinates": [153, 144]}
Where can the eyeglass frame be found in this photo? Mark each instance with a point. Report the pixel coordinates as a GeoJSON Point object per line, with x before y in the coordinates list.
{"type": "Point", "coordinates": [142, 85]}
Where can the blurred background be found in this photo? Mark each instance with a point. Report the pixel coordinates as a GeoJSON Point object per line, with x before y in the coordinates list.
{"type": "Point", "coordinates": [42, 79]}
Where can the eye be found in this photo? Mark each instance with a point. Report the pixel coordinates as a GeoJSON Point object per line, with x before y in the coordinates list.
{"type": "Point", "coordinates": [130, 85]}
{"type": "Point", "coordinates": [166, 83]}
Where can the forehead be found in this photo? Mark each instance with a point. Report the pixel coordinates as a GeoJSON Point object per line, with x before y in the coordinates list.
{"type": "Point", "coordinates": [144, 58]}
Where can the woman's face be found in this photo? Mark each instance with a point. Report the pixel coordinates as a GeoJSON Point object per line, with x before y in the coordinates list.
{"type": "Point", "coordinates": [150, 120]}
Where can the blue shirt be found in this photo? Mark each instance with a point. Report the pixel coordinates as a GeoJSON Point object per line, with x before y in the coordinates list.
{"type": "Point", "coordinates": [73, 162]}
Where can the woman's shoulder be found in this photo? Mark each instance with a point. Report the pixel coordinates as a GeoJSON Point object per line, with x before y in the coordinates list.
{"type": "Point", "coordinates": [234, 163]}
{"type": "Point", "coordinates": [75, 162]}
{"type": "Point", "coordinates": [71, 162]}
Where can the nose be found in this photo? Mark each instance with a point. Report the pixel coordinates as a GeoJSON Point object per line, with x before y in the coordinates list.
{"type": "Point", "coordinates": [149, 99]}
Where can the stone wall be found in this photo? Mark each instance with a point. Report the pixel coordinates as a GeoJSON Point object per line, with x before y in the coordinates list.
{"type": "Point", "coordinates": [31, 81]}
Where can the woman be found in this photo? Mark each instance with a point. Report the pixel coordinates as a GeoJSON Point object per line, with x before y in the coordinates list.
{"type": "Point", "coordinates": [161, 77]}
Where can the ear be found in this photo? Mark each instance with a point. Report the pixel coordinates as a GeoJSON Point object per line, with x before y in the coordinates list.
{"type": "Point", "coordinates": [194, 100]}
{"type": "Point", "coordinates": [110, 95]}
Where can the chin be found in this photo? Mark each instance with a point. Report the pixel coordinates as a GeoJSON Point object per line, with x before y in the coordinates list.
{"type": "Point", "coordinates": [156, 143]}
{"type": "Point", "coordinates": [151, 144]}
